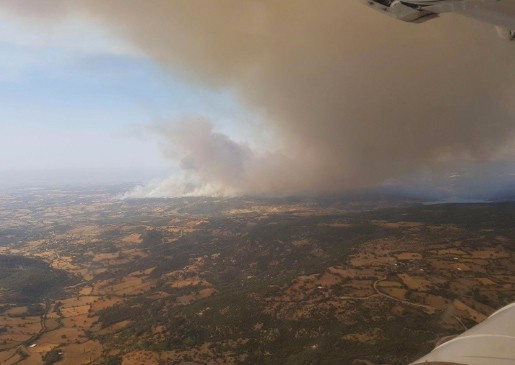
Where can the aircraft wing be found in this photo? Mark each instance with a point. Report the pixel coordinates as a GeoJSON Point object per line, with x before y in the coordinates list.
{"type": "Point", "coordinates": [491, 342]}
{"type": "Point", "coordinates": [500, 13]}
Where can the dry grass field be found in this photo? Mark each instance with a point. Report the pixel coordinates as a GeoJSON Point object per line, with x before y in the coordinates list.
{"type": "Point", "coordinates": [82, 353]}
{"type": "Point", "coordinates": [18, 329]}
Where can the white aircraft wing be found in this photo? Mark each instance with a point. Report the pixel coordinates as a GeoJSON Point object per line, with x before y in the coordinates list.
{"type": "Point", "coordinates": [500, 13]}
{"type": "Point", "coordinates": [492, 342]}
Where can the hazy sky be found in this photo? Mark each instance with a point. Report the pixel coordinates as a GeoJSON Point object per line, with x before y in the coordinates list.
{"type": "Point", "coordinates": [250, 96]}
{"type": "Point", "coordinates": [75, 95]}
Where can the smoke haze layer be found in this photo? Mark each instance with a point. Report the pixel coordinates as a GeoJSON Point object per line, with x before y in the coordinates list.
{"type": "Point", "coordinates": [354, 97]}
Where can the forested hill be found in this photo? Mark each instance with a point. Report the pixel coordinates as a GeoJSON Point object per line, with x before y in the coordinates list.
{"type": "Point", "coordinates": [24, 279]}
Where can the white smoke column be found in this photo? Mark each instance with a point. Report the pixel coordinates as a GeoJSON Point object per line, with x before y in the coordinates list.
{"type": "Point", "coordinates": [212, 164]}
{"type": "Point", "coordinates": [210, 161]}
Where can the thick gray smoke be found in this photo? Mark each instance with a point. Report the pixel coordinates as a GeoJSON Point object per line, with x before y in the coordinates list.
{"type": "Point", "coordinates": [213, 164]}
{"type": "Point", "coordinates": [355, 97]}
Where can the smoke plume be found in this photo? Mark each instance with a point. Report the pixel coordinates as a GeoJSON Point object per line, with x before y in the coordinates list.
{"type": "Point", "coordinates": [354, 97]}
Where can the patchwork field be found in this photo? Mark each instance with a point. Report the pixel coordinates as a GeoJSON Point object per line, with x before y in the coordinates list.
{"type": "Point", "coordinates": [233, 281]}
